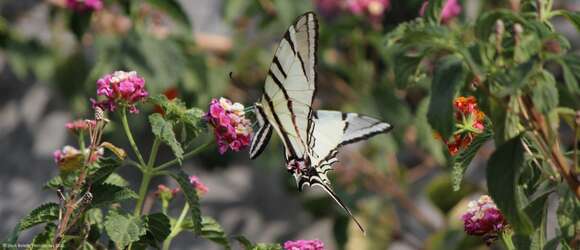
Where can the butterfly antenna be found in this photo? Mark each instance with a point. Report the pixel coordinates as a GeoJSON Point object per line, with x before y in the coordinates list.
{"type": "Point", "coordinates": [341, 204]}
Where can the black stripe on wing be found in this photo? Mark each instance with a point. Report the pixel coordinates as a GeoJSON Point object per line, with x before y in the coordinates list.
{"type": "Point", "coordinates": [262, 137]}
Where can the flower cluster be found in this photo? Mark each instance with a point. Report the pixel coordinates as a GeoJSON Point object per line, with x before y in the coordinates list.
{"type": "Point", "coordinates": [121, 88]}
{"type": "Point", "coordinates": [84, 5]}
{"type": "Point", "coordinates": [372, 9]}
{"type": "Point", "coordinates": [483, 218]}
{"type": "Point", "coordinates": [470, 121]}
{"type": "Point", "coordinates": [450, 10]}
{"type": "Point", "coordinates": [80, 125]}
{"type": "Point", "coordinates": [304, 245]}
{"type": "Point", "coordinates": [232, 130]}
{"type": "Point", "coordinates": [70, 158]}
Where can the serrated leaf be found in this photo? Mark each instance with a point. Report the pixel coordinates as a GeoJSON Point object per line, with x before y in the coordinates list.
{"type": "Point", "coordinates": [449, 77]}
{"type": "Point", "coordinates": [211, 230]}
{"type": "Point", "coordinates": [44, 239]}
{"type": "Point", "coordinates": [461, 161]}
{"type": "Point", "coordinates": [158, 226]}
{"type": "Point", "coordinates": [163, 130]}
{"type": "Point", "coordinates": [106, 167]}
{"type": "Point", "coordinates": [124, 229]}
{"type": "Point", "coordinates": [503, 171]}
{"type": "Point", "coordinates": [117, 180]}
{"type": "Point", "coordinates": [45, 213]}
{"type": "Point", "coordinates": [544, 92]}
{"type": "Point", "coordinates": [192, 199]}
{"type": "Point", "coordinates": [107, 194]}
{"type": "Point", "coordinates": [174, 9]}
{"type": "Point", "coordinates": [405, 67]}
{"type": "Point", "coordinates": [568, 214]}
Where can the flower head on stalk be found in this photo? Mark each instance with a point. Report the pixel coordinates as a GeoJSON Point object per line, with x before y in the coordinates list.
{"type": "Point", "coordinates": [231, 128]}
{"type": "Point", "coordinates": [483, 218]}
{"type": "Point", "coordinates": [78, 126]}
{"type": "Point", "coordinates": [121, 88]}
{"type": "Point", "coordinates": [304, 245]}
{"type": "Point", "coordinates": [166, 193]}
{"type": "Point", "coordinates": [69, 158]}
{"type": "Point", "coordinates": [450, 10]}
{"type": "Point", "coordinates": [470, 122]}
{"type": "Point", "coordinates": [84, 5]}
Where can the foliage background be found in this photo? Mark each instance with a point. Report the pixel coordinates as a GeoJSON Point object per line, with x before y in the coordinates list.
{"type": "Point", "coordinates": [47, 77]}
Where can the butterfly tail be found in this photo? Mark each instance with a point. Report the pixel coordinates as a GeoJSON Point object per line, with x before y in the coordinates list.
{"type": "Point", "coordinates": [340, 203]}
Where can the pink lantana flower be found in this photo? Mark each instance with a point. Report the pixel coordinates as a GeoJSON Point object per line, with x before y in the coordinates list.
{"type": "Point", "coordinates": [198, 185]}
{"type": "Point", "coordinates": [304, 245]}
{"type": "Point", "coordinates": [450, 10]}
{"type": "Point", "coordinates": [84, 5]}
{"type": "Point", "coordinates": [373, 9]}
{"type": "Point", "coordinates": [121, 88]}
{"type": "Point", "coordinates": [483, 218]}
{"type": "Point", "coordinates": [231, 128]}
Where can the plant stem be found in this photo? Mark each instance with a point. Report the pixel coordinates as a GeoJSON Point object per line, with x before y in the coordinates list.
{"type": "Point", "coordinates": [506, 238]}
{"type": "Point", "coordinates": [143, 188]}
{"type": "Point", "coordinates": [185, 156]}
{"type": "Point", "coordinates": [130, 136]}
{"type": "Point", "coordinates": [176, 228]}
{"type": "Point", "coordinates": [147, 176]}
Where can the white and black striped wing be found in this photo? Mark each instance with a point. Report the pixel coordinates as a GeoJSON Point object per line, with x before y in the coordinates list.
{"type": "Point", "coordinates": [333, 129]}
{"type": "Point", "coordinates": [290, 85]}
{"type": "Point", "coordinates": [262, 136]}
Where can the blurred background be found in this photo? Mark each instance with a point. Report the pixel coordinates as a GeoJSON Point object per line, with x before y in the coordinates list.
{"type": "Point", "coordinates": [398, 184]}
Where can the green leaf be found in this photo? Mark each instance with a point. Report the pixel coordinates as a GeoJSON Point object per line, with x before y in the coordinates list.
{"type": "Point", "coordinates": [573, 17]}
{"type": "Point", "coordinates": [461, 161]}
{"type": "Point", "coordinates": [124, 229]}
{"type": "Point", "coordinates": [405, 67]}
{"type": "Point", "coordinates": [163, 130]}
{"type": "Point", "coordinates": [247, 244]}
{"type": "Point", "coordinates": [571, 70]}
{"type": "Point", "coordinates": [158, 226]}
{"type": "Point", "coordinates": [44, 239]}
{"type": "Point", "coordinates": [503, 171]}
{"type": "Point", "coordinates": [448, 78]}
{"type": "Point", "coordinates": [117, 180]}
{"type": "Point", "coordinates": [568, 214]}
{"type": "Point", "coordinates": [107, 194]}
{"type": "Point", "coordinates": [211, 230]}
{"type": "Point", "coordinates": [106, 167]}
{"type": "Point", "coordinates": [544, 92]}
{"type": "Point", "coordinates": [45, 213]}
{"type": "Point", "coordinates": [174, 9]}
{"type": "Point", "coordinates": [192, 199]}
{"type": "Point", "coordinates": [433, 12]}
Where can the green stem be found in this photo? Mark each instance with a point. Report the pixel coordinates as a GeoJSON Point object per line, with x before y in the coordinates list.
{"type": "Point", "coordinates": [153, 155]}
{"type": "Point", "coordinates": [506, 238]}
{"type": "Point", "coordinates": [130, 136]}
{"type": "Point", "coordinates": [147, 175]}
{"type": "Point", "coordinates": [176, 228]}
{"type": "Point", "coordinates": [185, 156]}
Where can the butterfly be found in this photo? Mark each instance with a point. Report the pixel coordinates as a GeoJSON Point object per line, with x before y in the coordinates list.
{"type": "Point", "coordinates": [310, 138]}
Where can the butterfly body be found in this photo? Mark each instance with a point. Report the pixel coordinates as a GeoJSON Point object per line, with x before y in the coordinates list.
{"type": "Point", "coordinates": [311, 138]}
